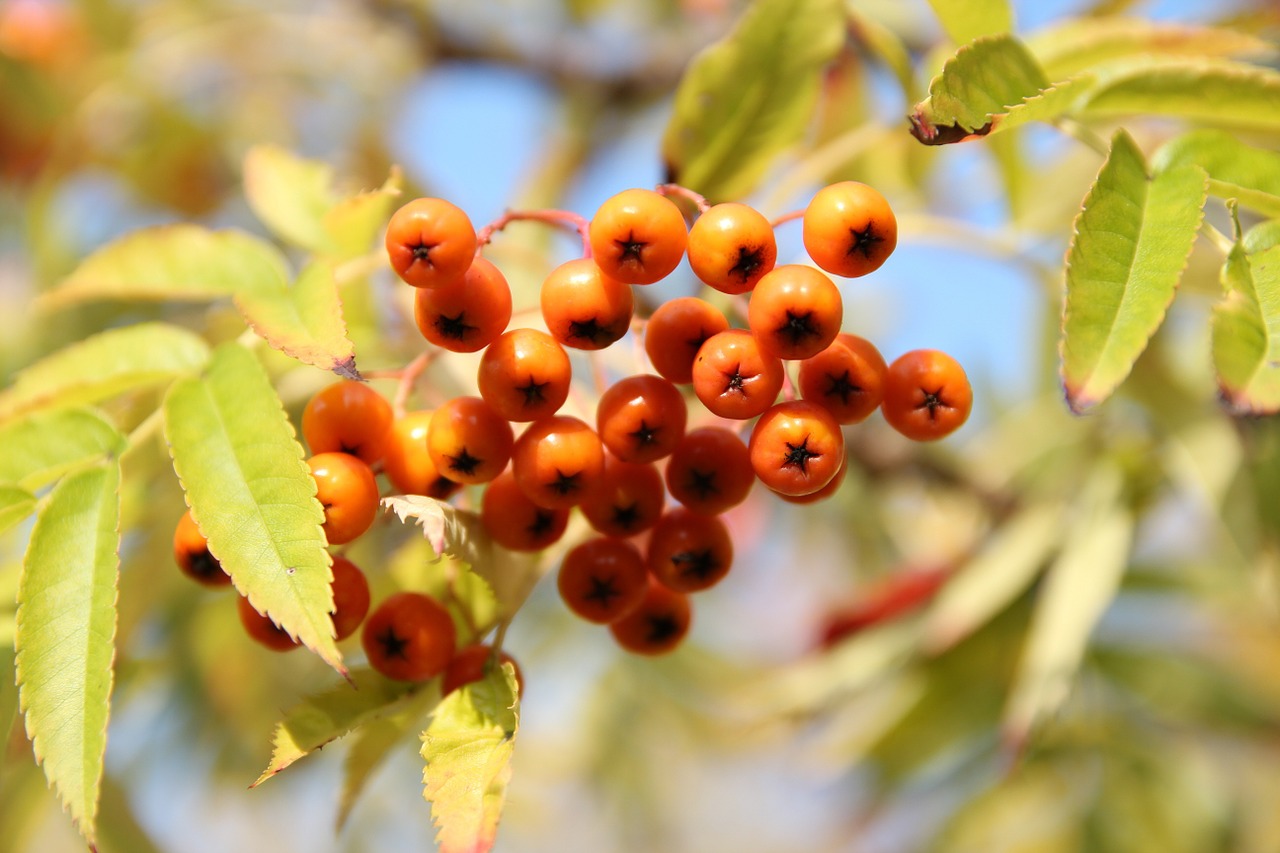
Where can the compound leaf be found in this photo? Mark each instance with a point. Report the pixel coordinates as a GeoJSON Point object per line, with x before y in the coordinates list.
{"type": "Point", "coordinates": [467, 749]}
{"type": "Point", "coordinates": [41, 446]}
{"type": "Point", "coordinates": [253, 495]}
{"type": "Point", "coordinates": [966, 20]}
{"type": "Point", "coordinates": [750, 95]}
{"type": "Point", "coordinates": [66, 628]}
{"type": "Point", "coordinates": [1130, 245]}
{"type": "Point", "coordinates": [304, 321]}
{"type": "Point", "coordinates": [1213, 91]}
{"type": "Point", "coordinates": [1246, 331]}
{"type": "Point", "coordinates": [1249, 175]}
{"type": "Point", "coordinates": [290, 194]}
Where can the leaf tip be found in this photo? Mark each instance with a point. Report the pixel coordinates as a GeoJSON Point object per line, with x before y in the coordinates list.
{"type": "Point", "coordinates": [347, 369]}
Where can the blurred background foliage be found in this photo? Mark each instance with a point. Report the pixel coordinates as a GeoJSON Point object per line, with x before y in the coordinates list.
{"type": "Point", "coordinates": [1100, 673]}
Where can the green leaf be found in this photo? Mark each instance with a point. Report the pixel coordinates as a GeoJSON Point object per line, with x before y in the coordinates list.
{"type": "Point", "coordinates": [966, 20]}
{"type": "Point", "coordinates": [982, 80]}
{"type": "Point", "coordinates": [253, 495]}
{"type": "Point", "coordinates": [353, 223]}
{"type": "Point", "coordinates": [371, 745]}
{"type": "Point", "coordinates": [325, 717]}
{"type": "Point", "coordinates": [467, 748]}
{"type": "Point", "coordinates": [1130, 245]}
{"type": "Point", "coordinates": [42, 446]}
{"type": "Point", "coordinates": [15, 505]}
{"type": "Point", "coordinates": [456, 533]}
{"type": "Point", "coordinates": [1231, 94]}
{"type": "Point", "coordinates": [104, 365]}
{"type": "Point", "coordinates": [750, 95]}
{"type": "Point", "coordinates": [1078, 588]}
{"type": "Point", "coordinates": [173, 262]}
{"type": "Point", "coordinates": [1249, 175]}
{"type": "Point", "coordinates": [1048, 105]}
{"type": "Point", "coordinates": [304, 321]}
{"type": "Point", "coordinates": [1246, 331]}
{"type": "Point", "coordinates": [290, 194]}
{"type": "Point", "coordinates": [66, 635]}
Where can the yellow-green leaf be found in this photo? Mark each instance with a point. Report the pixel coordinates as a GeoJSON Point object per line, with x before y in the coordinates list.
{"type": "Point", "coordinates": [1222, 92]}
{"type": "Point", "coordinates": [253, 495]}
{"type": "Point", "coordinates": [1246, 331]}
{"type": "Point", "coordinates": [103, 365]}
{"type": "Point", "coordinates": [173, 262]}
{"type": "Point", "coordinates": [1249, 175]}
{"type": "Point", "coordinates": [304, 321]}
{"type": "Point", "coordinates": [1130, 245]}
{"type": "Point", "coordinates": [66, 635]}
{"type": "Point", "coordinates": [750, 95]}
{"type": "Point", "coordinates": [16, 503]}
{"type": "Point", "coordinates": [353, 222]}
{"type": "Point", "coordinates": [966, 20]}
{"type": "Point", "coordinates": [372, 744]}
{"type": "Point", "coordinates": [41, 446]}
{"type": "Point", "coordinates": [467, 749]}
{"type": "Point", "coordinates": [290, 194]}
{"type": "Point", "coordinates": [1048, 105]}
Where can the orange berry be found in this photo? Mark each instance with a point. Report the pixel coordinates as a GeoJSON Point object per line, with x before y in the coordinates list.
{"type": "Point", "coordinates": [641, 418]}
{"type": "Point", "coordinates": [583, 307]}
{"type": "Point", "coordinates": [347, 417]}
{"type": "Point", "coordinates": [676, 331]}
{"type": "Point", "coordinates": [558, 462]}
{"type": "Point", "coordinates": [849, 229]}
{"type": "Point", "coordinates": [409, 637]}
{"type": "Point", "coordinates": [517, 523]}
{"type": "Point", "coordinates": [731, 246]}
{"type": "Point", "coordinates": [191, 552]}
{"type": "Point", "coordinates": [796, 447]}
{"type": "Point", "coordinates": [347, 490]}
{"type": "Point", "coordinates": [262, 629]}
{"type": "Point", "coordinates": [628, 500]}
{"type": "Point", "coordinates": [602, 579]}
{"type": "Point", "coordinates": [846, 378]}
{"type": "Point", "coordinates": [430, 242]}
{"type": "Point", "coordinates": [710, 471]}
{"type": "Point", "coordinates": [350, 597]}
{"type": "Point", "coordinates": [407, 463]}
{"type": "Point", "coordinates": [657, 625]}
{"type": "Point", "coordinates": [468, 441]}
{"type": "Point", "coordinates": [688, 552]}
{"type": "Point", "coordinates": [926, 395]}
{"type": "Point", "coordinates": [471, 664]}
{"type": "Point", "coordinates": [524, 375]}
{"type": "Point", "coordinates": [638, 236]}
{"type": "Point", "coordinates": [795, 312]}
{"type": "Point", "coordinates": [734, 378]}
{"type": "Point", "coordinates": [467, 314]}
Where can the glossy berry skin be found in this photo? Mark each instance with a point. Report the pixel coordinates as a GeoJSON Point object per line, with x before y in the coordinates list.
{"type": "Point", "coordinates": [731, 246]}
{"type": "Point", "coordinates": [409, 637]}
{"type": "Point", "coordinates": [350, 597]}
{"type": "Point", "coordinates": [469, 442]}
{"type": "Point", "coordinates": [524, 375]}
{"type": "Point", "coordinates": [602, 579]}
{"type": "Point", "coordinates": [927, 395]}
{"type": "Point", "coordinates": [407, 463]}
{"type": "Point", "coordinates": [849, 229]}
{"type": "Point", "coordinates": [430, 242]}
{"type": "Point", "coordinates": [191, 553]}
{"type": "Point", "coordinates": [796, 448]}
{"type": "Point", "coordinates": [822, 494]}
{"type": "Point", "coordinates": [558, 462]}
{"type": "Point", "coordinates": [641, 418]}
{"type": "Point", "coordinates": [795, 312]}
{"type": "Point", "coordinates": [688, 552]}
{"type": "Point", "coordinates": [471, 663]}
{"type": "Point", "coordinates": [628, 500]}
{"type": "Point", "coordinates": [517, 523]}
{"type": "Point", "coordinates": [583, 307]}
{"type": "Point", "coordinates": [262, 629]}
{"type": "Point", "coordinates": [347, 417]}
{"type": "Point", "coordinates": [465, 315]}
{"type": "Point", "coordinates": [710, 471]}
{"type": "Point", "coordinates": [638, 236]}
{"type": "Point", "coordinates": [347, 490]}
{"type": "Point", "coordinates": [676, 331]}
{"type": "Point", "coordinates": [657, 625]}
{"type": "Point", "coordinates": [846, 378]}
{"type": "Point", "coordinates": [734, 378]}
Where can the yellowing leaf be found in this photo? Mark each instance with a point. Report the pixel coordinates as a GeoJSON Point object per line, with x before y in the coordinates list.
{"type": "Point", "coordinates": [1246, 331]}
{"type": "Point", "coordinates": [966, 20]}
{"type": "Point", "coordinates": [253, 495]}
{"type": "Point", "coordinates": [40, 447]}
{"type": "Point", "coordinates": [304, 321]}
{"type": "Point", "coordinates": [289, 194]}
{"type": "Point", "coordinates": [353, 222]}
{"type": "Point", "coordinates": [66, 635]}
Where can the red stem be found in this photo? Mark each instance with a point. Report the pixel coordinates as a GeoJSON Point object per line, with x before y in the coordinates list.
{"type": "Point", "coordinates": [563, 218]}
{"type": "Point", "coordinates": [787, 217]}
{"type": "Point", "coordinates": [677, 191]}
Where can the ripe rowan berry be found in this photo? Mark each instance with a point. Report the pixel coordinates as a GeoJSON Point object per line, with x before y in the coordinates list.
{"type": "Point", "coordinates": [191, 552]}
{"type": "Point", "coordinates": [796, 447]}
{"type": "Point", "coordinates": [602, 579]}
{"type": "Point", "coordinates": [846, 378]}
{"type": "Point", "coordinates": [926, 395]}
{"type": "Point", "coordinates": [710, 471]}
{"type": "Point", "coordinates": [795, 312]}
{"type": "Point", "coordinates": [465, 315]}
{"type": "Point", "coordinates": [849, 229]}
{"type": "Point", "coordinates": [583, 307]}
{"type": "Point", "coordinates": [407, 463]}
{"type": "Point", "coordinates": [350, 597]}
{"type": "Point", "coordinates": [263, 629]}
{"type": "Point", "coordinates": [832, 486]}
{"type": "Point", "coordinates": [676, 331]}
{"type": "Point", "coordinates": [734, 378]}
{"type": "Point", "coordinates": [471, 663]}
{"type": "Point", "coordinates": [638, 236]}
{"type": "Point", "coordinates": [641, 418]}
{"type": "Point", "coordinates": [469, 442]}
{"type": "Point", "coordinates": [628, 499]}
{"type": "Point", "coordinates": [524, 375]}
{"type": "Point", "coordinates": [688, 551]}
{"type": "Point", "coordinates": [430, 242]}
{"type": "Point", "coordinates": [657, 625]}
{"type": "Point", "coordinates": [409, 637]}
{"type": "Point", "coordinates": [347, 417]}
{"type": "Point", "coordinates": [347, 490]}
{"type": "Point", "coordinates": [558, 462]}
{"type": "Point", "coordinates": [731, 246]}
{"type": "Point", "coordinates": [514, 521]}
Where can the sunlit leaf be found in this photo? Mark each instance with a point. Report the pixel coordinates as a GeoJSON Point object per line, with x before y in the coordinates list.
{"type": "Point", "coordinates": [304, 321]}
{"type": "Point", "coordinates": [371, 746]}
{"type": "Point", "coordinates": [1130, 245]}
{"type": "Point", "coordinates": [1246, 331]}
{"type": "Point", "coordinates": [290, 194]}
{"type": "Point", "coordinates": [66, 635]}
{"type": "Point", "coordinates": [353, 222]}
{"type": "Point", "coordinates": [185, 262]}
{"type": "Point", "coordinates": [1220, 92]}
{"type": "Point", "coordinates": [253, 495]}
{"type": "Point", "coordinates": [966, 20]}
{"type": "Point", "coordinates": [15, 505]}
{"type": "Point", "coordinates": [41, 446]}
{"type": "Point", "coordinates": [750, 95]}
{"type": "Point", "coordinates": [1050, 104]}
{"type": "Point", "coordinates": [1249, 175]}
{"type": "Point", "coordinates": [104, 365]}
{"type": "Point", "coordinates": [888, 46]}
{"type": "Point", "coordinates": [467, 749]}
{"type": "Point", "coordinates": [327, 716]}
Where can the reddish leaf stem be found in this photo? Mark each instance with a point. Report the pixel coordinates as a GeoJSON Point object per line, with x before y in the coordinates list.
{"type": "Point", "coordinates": [562, 218]}
{"type": "Point", "coordinates": [677, 191]}
{"type": "Point", "coordinates": [787, 217]}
